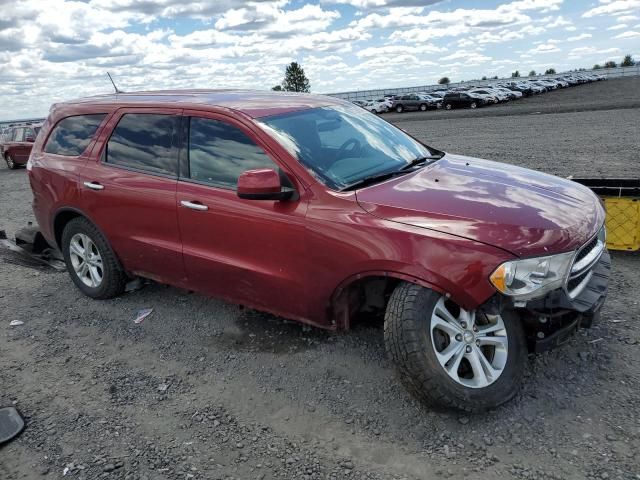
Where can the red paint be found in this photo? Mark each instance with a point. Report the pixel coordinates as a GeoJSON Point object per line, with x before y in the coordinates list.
{"type": "Point", "coordinates": [446, 226]}
{"type": "Point", "coordinates": [18, 150]}
{"type": "Point", "coordinates": [257, 182]}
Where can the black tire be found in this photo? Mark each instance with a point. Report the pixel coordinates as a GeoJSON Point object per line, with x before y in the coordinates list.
{"type": "Point", "coordinates": [448, 106]}
{"type": "Point", "coordinates": [399, 109]}
{"type": "Point", "coordinates": [473, 105]}
{"type": "Point", "coordinates": [423, 107]}
{"type": "Point", "coordinates": [11, 165]}
{"type": "Point", "coordinates": [114, 278]}
{"type": "Point", "coordinates": [407, 336]}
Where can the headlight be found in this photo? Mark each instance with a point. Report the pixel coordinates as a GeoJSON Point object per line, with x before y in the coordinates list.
{"type": "Point", "coordinates": [532, 277]}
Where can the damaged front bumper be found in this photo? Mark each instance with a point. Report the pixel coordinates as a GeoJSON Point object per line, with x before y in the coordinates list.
{"type": "Point", "coordinates": [551, 320]}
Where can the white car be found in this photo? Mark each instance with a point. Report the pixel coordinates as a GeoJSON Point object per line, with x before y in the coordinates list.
{"type": "Point", "coordinates": [381, 105]}
{"type": "Point", "coordinates": [514, 94]}
{"type": "Point", "coordinates": [487, 94]}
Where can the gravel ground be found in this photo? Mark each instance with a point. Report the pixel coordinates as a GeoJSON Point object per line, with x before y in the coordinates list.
{"type": "Point", "coordinates": [202, 389]}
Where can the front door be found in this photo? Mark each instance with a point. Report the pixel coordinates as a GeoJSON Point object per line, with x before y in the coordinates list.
{"type": "Point", "coordinates": [248, 251]}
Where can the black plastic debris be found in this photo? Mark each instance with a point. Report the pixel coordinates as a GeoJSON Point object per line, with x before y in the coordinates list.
{"type": "Point", "coordinates": [11, 424]}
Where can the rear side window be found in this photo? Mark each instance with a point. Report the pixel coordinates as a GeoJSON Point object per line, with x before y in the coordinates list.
{"type": "Point", "coordinates": [219, 153]}
{"type": "Point", "coordinates": [144, 141]}
{"type": "Point", "coordinates": [18, 135]}
{"type": "Point", "coordinates": [72, 135]}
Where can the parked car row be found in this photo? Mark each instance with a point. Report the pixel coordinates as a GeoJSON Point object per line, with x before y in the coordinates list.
{"type": "Point", "coordinates": [16, 142]}
{"type": "Point", "coordinates": [474, 96]}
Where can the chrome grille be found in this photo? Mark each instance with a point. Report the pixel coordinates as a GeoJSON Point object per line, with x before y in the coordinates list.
{"type": "Point", "coordinates": [583, 263]}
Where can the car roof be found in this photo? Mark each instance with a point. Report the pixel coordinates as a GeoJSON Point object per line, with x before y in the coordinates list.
{"type": "Point", "coordinates": [253, 103]}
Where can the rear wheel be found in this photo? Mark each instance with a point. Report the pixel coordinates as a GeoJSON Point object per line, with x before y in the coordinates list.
{"type": "Point", "coordinates": [399, 109]}
{"type": "Point", "coordinates": [473, 105]}
{"type": "Point", "coordinates": [448, 106]}
{"type": "Point", "coordinates": [423, 107]}
{"type": "Point", "coordinates": [10, 163]}
{"type": "Point", "coordinates": [448, 356]}
{"type": "Point", "coordinates": [91, 263]}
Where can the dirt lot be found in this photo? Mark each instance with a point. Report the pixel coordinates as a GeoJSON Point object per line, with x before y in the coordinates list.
{"type": "Point", "coordinates": [205, 390]}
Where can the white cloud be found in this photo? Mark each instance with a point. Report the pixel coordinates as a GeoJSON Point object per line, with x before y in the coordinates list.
{"type": "Point", "coordinates": [619, 26]}
{"type": "Point", "coordinates": [629, 34]}
{"type": "Point", "coordinates": [544, 48]}
{"type": "Point", "coordinates": [582, 36]}
{"type": "Point", "coordinates": [581, 52]}
{"type": "Point", "coordinates": [270, 18]}
{"type": "Point", "coordinates": [609, 7]}
{"type": "Point", "coordinates": [392, 50]}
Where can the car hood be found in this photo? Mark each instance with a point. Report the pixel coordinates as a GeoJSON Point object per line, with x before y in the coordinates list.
{"type": "Point", "coordinates": [522, 211]}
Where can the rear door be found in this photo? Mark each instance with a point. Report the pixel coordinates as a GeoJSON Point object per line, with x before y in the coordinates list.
{"type": "Point", "coordinates": [129, 191]}
{"type": "Point", "coordinates": [248, 251]}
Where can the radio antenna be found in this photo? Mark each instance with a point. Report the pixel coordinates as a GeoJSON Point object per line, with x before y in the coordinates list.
{"type": "Point", "coordinates": [114, 84]}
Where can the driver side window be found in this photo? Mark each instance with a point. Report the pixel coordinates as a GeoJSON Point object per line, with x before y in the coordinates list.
{"type": "Point", "coordinates": [219, 153]}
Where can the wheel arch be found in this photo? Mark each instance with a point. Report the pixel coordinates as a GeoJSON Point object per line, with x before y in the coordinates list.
{"type": "Point", "coordinates": [365, 290]}
{"type": "Point", "coordinates": [64, 215]}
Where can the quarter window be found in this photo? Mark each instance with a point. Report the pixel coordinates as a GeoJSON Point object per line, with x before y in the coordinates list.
{"type": "Point", "coordinates": [72, 135]}
{"type": "Point", "coordinates": [145, 142]}
{"type": "Point", "coordinates": [219, 153]}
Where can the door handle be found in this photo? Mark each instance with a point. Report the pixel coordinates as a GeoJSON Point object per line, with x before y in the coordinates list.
{"type": "Point", "coordinates": [194, 205]}
{"type": "Point", "coordinates": [94, 186]}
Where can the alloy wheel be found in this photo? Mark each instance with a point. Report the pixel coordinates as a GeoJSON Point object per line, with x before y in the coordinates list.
{"type": "Point", "coordinates": [471, 347]}
{"type": "Point", "coordinates": [9, 160]}
{"type": "Point", "coordinates": [86, 260]}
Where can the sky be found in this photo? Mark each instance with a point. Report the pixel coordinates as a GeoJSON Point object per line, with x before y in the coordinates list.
{"type": "Point", "coordinates": [53, 50]}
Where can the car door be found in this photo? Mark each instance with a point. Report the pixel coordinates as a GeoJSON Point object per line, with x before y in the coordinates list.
{"type": "Point", "coordinates": [15, 147]}
{"type": "Point", "coordinates": [129, 191]}
{"type": "Point", "coordinates": [248, 251]}
{"type": "Point", "coordinates": [414, 101]}
{"type": "Point", "coordinates": [23, 149]}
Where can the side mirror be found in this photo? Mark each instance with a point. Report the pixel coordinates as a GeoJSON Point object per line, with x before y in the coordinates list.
{"type": "Point", "coordinates": [262, 184]}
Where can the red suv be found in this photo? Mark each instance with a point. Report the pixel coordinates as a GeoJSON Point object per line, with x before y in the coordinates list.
{"type": "Point", "coordinates": [16, 143]}
{"type": "Point", "coordinates": [317, 210]}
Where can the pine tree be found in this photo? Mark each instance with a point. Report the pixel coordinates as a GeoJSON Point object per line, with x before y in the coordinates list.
{"type": "Point", "coordinates": [294, 79]}
{"type": "Point", "coordinates": [628, 61]}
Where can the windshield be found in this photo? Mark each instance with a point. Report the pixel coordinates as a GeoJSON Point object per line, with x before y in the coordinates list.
{"type": "Point", "coordinates": [342, 145]}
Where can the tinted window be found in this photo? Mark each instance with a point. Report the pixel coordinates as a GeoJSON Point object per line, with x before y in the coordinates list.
{"type": "Point", "coordinates": [29, 133]}
{"type": "Point", "coordinates": [72, 135]}
{"type": "Point", "coordinates": [219, 153]}
{"type": "Point", "coordinates": [145, 142]}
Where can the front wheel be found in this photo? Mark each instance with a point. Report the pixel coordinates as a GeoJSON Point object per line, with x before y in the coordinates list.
{"type": "Point", "coordinates": [448, 356]}
{"type": "Point", "coordinates": [423, 107]}
{"type": "Point", "coordinates": [399, 109]}
{"type": "Point", "coordinates": [473, 105]}
{"type": "Point", "coordinates": [448, 106]}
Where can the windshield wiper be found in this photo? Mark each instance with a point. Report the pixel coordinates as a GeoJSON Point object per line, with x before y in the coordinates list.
{"type": "Point", "coordinates": [385, 176]}
{"type": "Point", "coordinates": [420, 161]}
{"type": "Point", "coordinates": [363, 182]}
